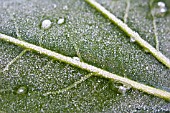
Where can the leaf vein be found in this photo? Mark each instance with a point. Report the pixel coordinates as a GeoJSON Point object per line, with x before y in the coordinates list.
{"type": "Point", "coordinates": [157, 54]}
{"type": "Point", "coordinates": [100, 72]}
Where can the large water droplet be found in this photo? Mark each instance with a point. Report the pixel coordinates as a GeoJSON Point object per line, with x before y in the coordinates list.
{"type": "Point", "coordinates": [22, 90]}
{"type": "Point", "coordinates": [163, 10]}
{"type": "Point", "coordinates": [61, 21]}
{"type": "Point", "coordinates": [46, 24]}
{"type": "Point", "coordinates": [161, 4]}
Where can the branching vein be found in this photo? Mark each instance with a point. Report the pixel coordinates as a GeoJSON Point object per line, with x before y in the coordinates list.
{"type": "Point", "coordinates": [15, 24]}
{"type": "Point", "coordinates": [14, 60]}
{"type": "Point", "coordinates": [71, 40]}
{"type": "Point", "coordinates": [19, 37]}
{"type": "Point", "coordinates": [150, 90]}
{"type": "Point", "coordinates": [78, 52]}
{"type": "Point", "coordinates": [126, 11]}
{"type": "Point", "coordinates": [71, 86]}
{"type": "Point", "coordinates": [154, 25]}
{"type": "Point", "coordinates": [158, 55]}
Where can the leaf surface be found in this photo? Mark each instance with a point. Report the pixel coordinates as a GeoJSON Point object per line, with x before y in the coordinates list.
{"type": "Point", "coordinates": [86, 33]}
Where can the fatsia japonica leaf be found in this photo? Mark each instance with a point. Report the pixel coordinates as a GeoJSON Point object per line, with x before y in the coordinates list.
{"type": "Point", "coordinates": [75, 29]}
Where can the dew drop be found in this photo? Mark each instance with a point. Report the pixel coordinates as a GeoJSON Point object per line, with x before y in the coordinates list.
{"type": "Point", "coordinates": [132, 39]}
{"type": "Point", "coordinates": [65, 7]}
{"type": "Point", "coordinates": [22, 90]}
{"type": "Point", "coordinates": [122, 90]}
{"type": "Point", "coordinates": [76, 58]}
{"type": "Point", "coordinates": [61, 21]}
{"type": "Point", "coordinates": [161, 4]}
{"type": "Point", "coordinates": [163, 10]}
{"type": "Point", "coordinates": [46, 24]}
{"type": "Point", "coordinates": [160, 9]}
{"type": "Point", "coordinates": [147, 67]}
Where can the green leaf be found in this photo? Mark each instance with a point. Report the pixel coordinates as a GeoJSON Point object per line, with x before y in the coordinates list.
{"type": "Point", "coordinates": [26, 75]}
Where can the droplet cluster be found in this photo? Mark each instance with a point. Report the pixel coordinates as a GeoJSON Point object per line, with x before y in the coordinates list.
{"type": "Point", "coordinates": [160, 9]}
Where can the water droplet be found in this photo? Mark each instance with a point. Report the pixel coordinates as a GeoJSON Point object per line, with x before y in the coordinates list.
{"type": "Point", "coordinates": [61, 21]}
{"type": "Point", "coordinates": [65, 7]}
{"type": "Point", "coordinates": [147, 67]}
{"type": "Point", "coordinates": [132, 39]}
{"type": "Point", "coordinates": [163, 10]}
{"type": "Point", "coordinates": [122, 90]}
{"type": "Point", "coordinates": [46, 24]}
{"type": "Point", "coordinates": [160, 9]}
{"type": "Point", "coordinates": [76, 58]}
{"type": "Point", "coordinates": [161, 4]}
{"type": "Point", "coordinates": [22, 90]}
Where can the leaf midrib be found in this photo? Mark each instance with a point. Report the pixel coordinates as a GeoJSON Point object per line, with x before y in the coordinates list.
{"type": "Point", "coordinates": [100, 72]}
